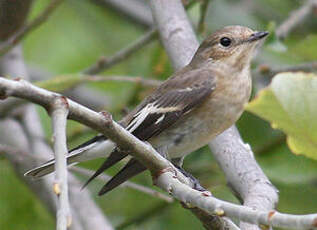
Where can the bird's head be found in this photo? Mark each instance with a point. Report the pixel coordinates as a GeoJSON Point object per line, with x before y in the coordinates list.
{"type": "Point", "coordinates": [232, 45]}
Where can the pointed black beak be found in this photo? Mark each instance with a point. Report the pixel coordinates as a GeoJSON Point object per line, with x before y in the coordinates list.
{"type": "Point", "coordinates": [257, 36]}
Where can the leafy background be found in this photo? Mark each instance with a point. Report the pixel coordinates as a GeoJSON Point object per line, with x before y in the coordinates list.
{"type": "Point", "coordinates": [79, 32]}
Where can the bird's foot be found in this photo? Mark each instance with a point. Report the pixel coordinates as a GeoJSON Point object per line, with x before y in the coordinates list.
{"type": "Point", "coordinates": [195, 182]}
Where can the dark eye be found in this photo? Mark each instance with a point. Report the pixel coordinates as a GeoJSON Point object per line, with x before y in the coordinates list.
{"type": "Point", "coordinates": [225, 41]}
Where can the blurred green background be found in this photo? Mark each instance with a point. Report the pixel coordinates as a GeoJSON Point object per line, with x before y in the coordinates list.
{"type": "Point", "coordinates": [79, 32]}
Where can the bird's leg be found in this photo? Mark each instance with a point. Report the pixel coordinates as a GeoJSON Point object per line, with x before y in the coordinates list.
{"type": "Point", "coordinates": [177, 162]}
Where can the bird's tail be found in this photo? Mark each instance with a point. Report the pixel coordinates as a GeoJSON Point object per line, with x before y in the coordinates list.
{"type": "Point", "coordinates": [96, 147]}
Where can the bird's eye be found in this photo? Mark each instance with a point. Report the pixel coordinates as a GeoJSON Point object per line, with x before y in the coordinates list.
{"type": "Point", "coordinates": [225, 41]}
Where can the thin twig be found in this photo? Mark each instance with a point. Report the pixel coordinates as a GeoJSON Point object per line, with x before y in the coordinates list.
{"type": "Point", "coordinates": [271, 72]}
{"type": "Point", "coordinates": [174, 184]}
{"type": "Point", "coordinates": [203, 12]}
{"type": "Point", "coordinates": [104, 62]}
{"type": "Point", "coordinates": [105, 178]}
{"type": "Point", "coordinates": [126, 52]}
{"type": "Point", "coordinates": [85, 95]}
{"type": "Point", "coordinates": [138, 80]}
{"type": "Point", "coordinates": [296, 18]}
{"type": "Point", "coordinates": [277, 141]}
{"type": "Point", "coordinates": [21, 33]}
{"type": "Point", "coordinates": [263, 74]}
{"type": "Point", "coordinates": [7, 107]}
{"type": "Point", "coordinates": [59, 118]}
{"type": "Point", "coordinates": [144, 216]}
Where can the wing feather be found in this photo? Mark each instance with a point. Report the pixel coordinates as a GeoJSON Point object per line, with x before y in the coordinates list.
{"type": "Point", "coordinates": [165, 110]}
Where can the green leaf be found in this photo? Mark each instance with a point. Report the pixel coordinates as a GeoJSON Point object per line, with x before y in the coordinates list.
{"type": "Point", "coordinates": [289, 103]}
{"type": "Point", "coordinates": [283, 167]}
{"type": "Point", "coordinates": [61, 83]}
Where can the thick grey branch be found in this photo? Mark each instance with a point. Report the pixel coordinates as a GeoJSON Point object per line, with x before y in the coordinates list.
{"type": "Point", "coordinates": [59, 117]}
{"type": "Point", "coordinates": [214, 206]}
{"type": "Point", "coordinates": [243, 173]}
{"type": "Point", "coordinates": [175, 30]}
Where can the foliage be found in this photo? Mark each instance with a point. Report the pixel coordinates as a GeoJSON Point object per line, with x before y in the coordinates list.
{"type": "Point", "coordinates": [289, 103]}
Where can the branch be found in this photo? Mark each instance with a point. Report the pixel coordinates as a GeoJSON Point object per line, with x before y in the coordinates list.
{"type": "Point", "coordinates": [263, 74]}
{"type": "Point", "coordinates": [126, 52]}
{"type": "Point", "coordinates": [274, 143]}
{"type": "Point", "coordinates": [59, 116]}
{"type": "Point", "coordinates": [213, 221]}
{"type": "Point", "coordinates": [144, 216]}
{"type": "Point", "coordinates": [180, 43]}
{"type": "Point", "coordinates": [296, 18]}
{"type": "Point", "coordinates": [138, 80]}
{"type": "Point", "coordinates": [243, 173]}
{"type": "Point", "coordinates": [165, 175]}
{"type": "Point", "coordinates": [8, 106]}
{"type": "Point", "coordinates": [85, 95]}
{"type": "Point", "coordinates": [180, 191]}
{"type": "Point", "coordinates": [203, 12]}
{"type": "Point", "coordinates": [135, 9]}
{"type": "Point", "coordinates": [105, 178]}
{"type": "Point", "coordinates": [271, 72]}
{"type": "Point", "coordinates": [176, 32]}
{"type": "Point", "coordinates": [22, 32]}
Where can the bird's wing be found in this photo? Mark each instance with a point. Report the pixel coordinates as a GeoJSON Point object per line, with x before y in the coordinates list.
{"type": "Point", "coordinates": [159, 112]}
{"type": "Point", "coordinates": [171, 101]}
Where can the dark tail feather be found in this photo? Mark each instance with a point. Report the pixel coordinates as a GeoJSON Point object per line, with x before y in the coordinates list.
{"type": "Point", "coordinates": [131, 169]}
{"type": "Point", "coordinates": [114, 157]}
{"type": "Point", "coordinates": [73, 157]}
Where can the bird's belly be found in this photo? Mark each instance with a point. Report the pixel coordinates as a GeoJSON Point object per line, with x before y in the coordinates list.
{"type": "Point", "coordinates": [197, 129]}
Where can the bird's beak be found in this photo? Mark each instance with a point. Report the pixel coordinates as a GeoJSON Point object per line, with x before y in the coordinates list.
{"type": "Point", "coordinates": [257, 36]}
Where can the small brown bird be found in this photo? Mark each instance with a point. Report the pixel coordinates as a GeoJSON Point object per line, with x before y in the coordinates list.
{"type": "Point", "coordinates": [187, 111]}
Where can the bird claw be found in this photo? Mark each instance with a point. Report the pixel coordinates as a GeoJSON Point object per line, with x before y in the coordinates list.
{"type": "Point", "coordinates": [195, 182]}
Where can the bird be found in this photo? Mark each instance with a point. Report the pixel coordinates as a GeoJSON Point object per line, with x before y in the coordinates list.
{"type": "Point", "coordinates": [188, 110]}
